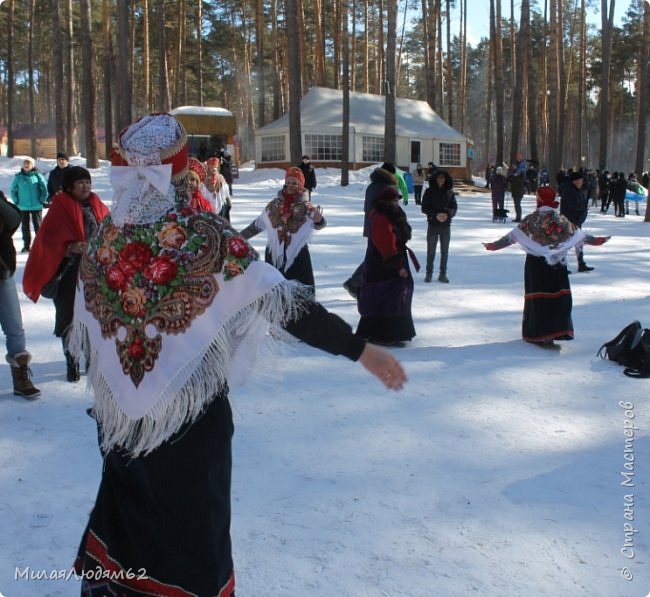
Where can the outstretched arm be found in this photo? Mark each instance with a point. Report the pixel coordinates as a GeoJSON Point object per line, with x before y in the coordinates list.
{"type": "Point", "coordinates": [504, 241]}
{"type": "Point", "coordinates": [596, 240]}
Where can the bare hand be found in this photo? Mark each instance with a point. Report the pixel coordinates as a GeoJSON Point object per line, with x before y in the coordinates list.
{"type": "Point", "coordinates": [403, 273]}
{"type": "Point", "coordinates": [442, 217]}
{"type": "Point", "coordinates": [383, 365]}
{"type": "Point", "coordinates": [489, 246]}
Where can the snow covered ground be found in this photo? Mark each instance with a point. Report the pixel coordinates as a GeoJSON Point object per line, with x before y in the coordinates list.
{"type": "Point", "coordinates": [497, 471]}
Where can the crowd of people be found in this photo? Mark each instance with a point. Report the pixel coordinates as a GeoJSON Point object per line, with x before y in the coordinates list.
{"type": "Point", "coordinates": [165, 257]}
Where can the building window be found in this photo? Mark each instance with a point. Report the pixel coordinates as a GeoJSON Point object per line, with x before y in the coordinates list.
{"type": "Point", "coordinates": [450, 154]}
{"type": "Point", "coordinates": [373, 149]}
{"type": "Point", "coordinates": [324, 147]}
{"type": "Point", "coordinates": [273, 149]}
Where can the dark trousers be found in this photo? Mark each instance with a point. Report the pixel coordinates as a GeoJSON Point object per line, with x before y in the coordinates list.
{"type": "Point", "coordinates": [433, 234]}
{"type": "Point", "coordinates": [517, 203]}
{"type": "Point", "coordinates": [417, 189]}
{"type": "Point", "coordinates": [36, 217]}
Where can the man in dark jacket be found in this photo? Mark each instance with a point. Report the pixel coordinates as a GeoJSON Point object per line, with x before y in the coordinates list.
{"type": "Point", "coordinates": [574, 205]}
{"type": "Point", "coordinates": [55, 178]}
{"type": "Point", "coordinates": [439, 205]}
{"type": "Point", "coordinates": [309, 174]}
{"type": "Point", "coordinates": [225, 169]}
{"type": "Point", "coordinates": [11, 319]}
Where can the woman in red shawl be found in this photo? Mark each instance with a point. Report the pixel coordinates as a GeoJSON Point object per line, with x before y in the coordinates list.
{"type": "Point", "coordinates": [70, 222]}
{"type": "Point", "coordinates": [195, 176]}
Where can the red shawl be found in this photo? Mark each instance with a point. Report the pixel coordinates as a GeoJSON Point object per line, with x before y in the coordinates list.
{"type": "Point", "coordinates": [62, 225]}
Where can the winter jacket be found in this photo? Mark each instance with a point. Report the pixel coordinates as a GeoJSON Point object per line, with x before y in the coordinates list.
{"type": "Point", "coordinates": [418, 177]}
{"type": "Point", "coordinates": [29, 190]}
{"type": "Point", "coordinates": [438, 200]}
{"type": "Point", "coordinates": [517, 185]}
{"type": "Point", "coordinates": [379, 180]}
{"type": "Point", "coordinates": [401, 185]}
{"type": "Point", "coordinates": [9, 223]}
{"type": "Point", "coordinates": [55, 181]}
{"type": "Point", "coordinates": [309, 174]}
{"type": "Point", "coordinates": [573, 204]}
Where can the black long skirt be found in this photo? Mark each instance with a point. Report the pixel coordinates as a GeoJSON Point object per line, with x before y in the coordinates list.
{"type": "Point", "coordinates": [547, 302]}
{"type": "Point", "coordinates": [161, 522]}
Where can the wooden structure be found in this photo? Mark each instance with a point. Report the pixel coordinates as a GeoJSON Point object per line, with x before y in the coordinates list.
{"type": "Point", "coordinates": [209, 129]}
{"type": "Point", "coordinates": [45, 135]}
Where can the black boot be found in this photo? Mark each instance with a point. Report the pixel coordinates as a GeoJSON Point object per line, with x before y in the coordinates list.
{"type": "Point", "coordinates": [72, 368]}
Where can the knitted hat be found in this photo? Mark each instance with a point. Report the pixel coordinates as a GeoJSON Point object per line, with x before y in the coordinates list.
{"type": "Point", "coordinates": [31, 160]}
{"type": "Point", "coordinates": [390, 193]}
{"type": "Point", "coordinates": [151, 140]}
{"type": "Point", "coordinates": [73, 174]}
{"type": "Point", "coordinates": [295, 172]}
{"type": "Point", "coordinates": [62, 156]}
{"type": "Point", "coordinates": [197, 167]}
{"type": "Point", "coordinates": [213, 162]}
{"type": "Point", "coordinates": [546, 196]}
{"type": "Point", "coordinates": [576, 175]}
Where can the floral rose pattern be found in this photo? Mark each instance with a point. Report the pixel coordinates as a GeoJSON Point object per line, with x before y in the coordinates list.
{"type": "Point", "coordinates": [160, 275]}
{"type": "Point", "coordinates": [287, 219]}
{"type": "Point", "coordinates": [547, 228]}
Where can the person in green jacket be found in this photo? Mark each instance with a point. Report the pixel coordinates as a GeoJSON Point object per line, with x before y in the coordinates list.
{"type": "Point", "coordinates": [29, 194]}
{"type": "Point", "coordinates": [401, 185]}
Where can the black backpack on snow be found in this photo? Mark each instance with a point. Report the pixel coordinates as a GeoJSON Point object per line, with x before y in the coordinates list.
{"type": "Point", "coordinates": [630, 348]}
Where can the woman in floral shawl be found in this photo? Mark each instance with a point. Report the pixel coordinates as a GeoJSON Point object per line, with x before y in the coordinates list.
{"type": "Point", "coordinates": [289, 220]}
{"type": "Point", "coordinates": [546, 236]}
{"type": "Point", "coordinates": [172, 306]}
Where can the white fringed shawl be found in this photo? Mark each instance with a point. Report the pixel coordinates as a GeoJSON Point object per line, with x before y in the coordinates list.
{"type": "Point", "coordinates": [193, 367]}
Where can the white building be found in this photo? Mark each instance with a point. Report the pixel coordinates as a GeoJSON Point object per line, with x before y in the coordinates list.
{"type": "Point", "coordinates": [422, 136]}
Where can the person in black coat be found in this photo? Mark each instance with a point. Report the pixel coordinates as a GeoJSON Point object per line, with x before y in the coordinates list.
{"type": "Point", "coordinates": [574, 205]}
{"type": "Point", "coordinates": [309, 173]}
{"type": "Point", "coordinates": [439, 205]}
{"type": "Point", "coordinates": [55, 177]}
{"type": "Point", "coordinates": [225, 169]}
{"type": "Point", "coordinates": [380, 179]}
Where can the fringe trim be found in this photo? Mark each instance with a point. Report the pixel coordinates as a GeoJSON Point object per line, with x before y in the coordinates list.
{"type": "Point", "coordinates": [236, 343]}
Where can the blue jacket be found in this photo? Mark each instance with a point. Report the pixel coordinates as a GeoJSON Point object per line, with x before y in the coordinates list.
{"type": "Point", "coordinates": [29, 190]}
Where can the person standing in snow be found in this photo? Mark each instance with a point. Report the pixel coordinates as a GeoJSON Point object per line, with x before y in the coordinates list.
{"type": "Point", "coordinates": [29, 194]}
{"type": "Point", "coordinates": [172, 304]}
{"type": "Point", "coordinates": [11, 319]}
{"type": "Point", "coordinates": [546, 237]}
{"type": "Point", "coordinates": [71, 221]}
{"type": "Point", "coordinates": [55, 177]}
{"type": "Point", "coordinates": [439, 206]}
{"type": "Point", "coordinates": [309, 173]}
{"type": "Point", "coordinates": [215, 188]}
{"type": "Point", "coordinates": [289, 221]}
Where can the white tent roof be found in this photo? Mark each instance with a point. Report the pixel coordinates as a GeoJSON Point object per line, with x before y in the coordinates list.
{"type": "Point", "coordinates": [201, 111]}
{"type": "Point", "coordinates": [322, 110]}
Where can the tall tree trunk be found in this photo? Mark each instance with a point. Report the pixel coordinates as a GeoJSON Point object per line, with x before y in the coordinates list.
{"type": "Point", "coordinates": [124, 103]}
{"type": "Point", "coordinates": [293, 55]}
{"type": "Point", "coordinates": [495, 35]}
{"type": "Point", "coordinates": [259, 51]}
{"type": "Point", "coordinates": [30, 74]}
{"type": "Point", "coordinates": [554, 142]}
{"type": "Point", "coordinates": [11, 83]}
{"type": "Point", "coordinates": [277, 63]}
{"type": "Point", "coordinates": [345, 82]}
{"type": "Point", "coordinates": [146, 72]}
{"type": "Point", "coordinates": [199, 49]}
{"type": "Point", "coordinates": [518, 91]}
{"type": "Point", "coordinates": [366, 47]}
{"type": "Point", "coordinates": [390, 149]}
{"type": "Point", "coordinates": [353, 48]}
{"type": "Point", "coordinates": [449, 79]}
{"type": "Point", "coordinates": [58, 76]}
{"type": "Point", "coordinates": [180, 47]}
{"type": "Point", "coordinates": [643, 83]}
{"type": "Point", "coordinates": [607, 26]}
{"type": "Point", "coordinates": [108, 79]}
{"type": "Point", "coordinates": [429, 31]}
{"type": "Point", "coordinates": [163, 79]}
{"type": "Point", "coordinates": [582, 82]}
{"type": "Point", "coordinates": [319, 50]}
{"type": "Point", "coordinates": [531, 104]}
{"type": "Point", "coordinates": [462, 100]}
{"type": "Point", "coordinates": [88, 85]}
{"type": "Point", "coordinates": [69, 75]}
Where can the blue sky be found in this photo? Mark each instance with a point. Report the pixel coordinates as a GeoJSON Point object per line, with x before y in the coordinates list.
{"type": "Point", "coordinates": [478, 21]}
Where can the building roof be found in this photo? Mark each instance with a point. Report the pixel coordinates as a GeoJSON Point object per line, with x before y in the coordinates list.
{"type": "Point", "coordinates": [321, 110]}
